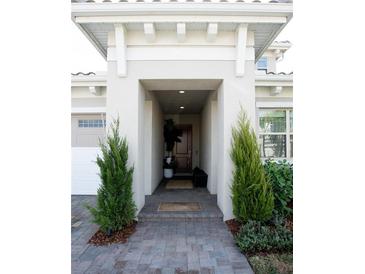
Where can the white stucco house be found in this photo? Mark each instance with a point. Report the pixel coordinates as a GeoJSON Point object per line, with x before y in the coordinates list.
{"type": "Point", "coordinates": [196, 62]}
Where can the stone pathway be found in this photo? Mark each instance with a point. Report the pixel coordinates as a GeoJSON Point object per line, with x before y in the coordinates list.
{"type": "Point", "coordinates": [208, 202]}
{"type": "Point", "coordinates": [159, 246]}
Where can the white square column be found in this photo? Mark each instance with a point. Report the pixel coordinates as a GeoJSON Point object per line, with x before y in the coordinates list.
{"type": "Point", "coordinates": [234, 92]}
{"type": "Point", "coordinates": [126, 99]}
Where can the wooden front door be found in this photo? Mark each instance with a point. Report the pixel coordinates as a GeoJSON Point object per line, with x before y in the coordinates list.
{"type": "Point", "coordinates": [183, 150]}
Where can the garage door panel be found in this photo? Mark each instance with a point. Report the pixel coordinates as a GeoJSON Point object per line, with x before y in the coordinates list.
{"type": "Point", "coordinates": [87, 129]}
{"type": "Point", "coordinates": [85, 179]}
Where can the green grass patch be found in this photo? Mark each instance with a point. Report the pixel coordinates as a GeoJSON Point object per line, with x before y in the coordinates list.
{"type": "Point", "coordinates": [272, 263]}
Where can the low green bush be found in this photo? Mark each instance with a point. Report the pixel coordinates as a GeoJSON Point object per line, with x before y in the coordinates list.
{"type": "Point", "coordinates": [252, 197]}
{"type": "Point", "coordinates": [256, 237]}
{"type": "Point", "coordinates": [280, 175]}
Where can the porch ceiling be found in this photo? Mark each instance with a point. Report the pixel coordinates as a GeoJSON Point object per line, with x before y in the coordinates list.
{"type": "Point", "coordinates": [192, 100]}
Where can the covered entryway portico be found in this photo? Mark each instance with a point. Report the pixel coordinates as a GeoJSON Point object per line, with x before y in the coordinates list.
{"type": "Point", "coordinates": [136, 98]}
{"type": "Point", "coordinates": [192, 106]}
{"type": "Point", "coordinates": [151, 47]}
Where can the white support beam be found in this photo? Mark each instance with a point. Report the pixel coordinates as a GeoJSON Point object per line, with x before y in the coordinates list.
{"type": "Point", "coordinates": [212, 32]}
{"type": "Point", "coordinates": [120, 49]}
{"type": "Point", "coordinates": [181, 32]}
{"type": "Point", "coordinates": [95, 90]}
{"type": "Point", "coordinates": [149, 32]}
{"type": "Point", "coordinates": [241, 42]}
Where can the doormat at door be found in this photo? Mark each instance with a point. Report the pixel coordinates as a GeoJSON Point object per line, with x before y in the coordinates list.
{"type": "Point", "coordinates": [179, 206]}
{"type": "Point", "coordinates": [179, 184]}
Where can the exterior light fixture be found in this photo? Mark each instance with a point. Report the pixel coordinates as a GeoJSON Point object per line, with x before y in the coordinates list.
{"type": "Point", "coordinates": [181, 91]}
{"type": "Point", "coordinates": [182, 107]}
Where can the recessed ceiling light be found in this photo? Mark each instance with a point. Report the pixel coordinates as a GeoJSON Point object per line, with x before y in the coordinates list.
{"type": "Point", "coordinates": [181, 91]}
{"type": "Point", "coordinates": [182, 107]}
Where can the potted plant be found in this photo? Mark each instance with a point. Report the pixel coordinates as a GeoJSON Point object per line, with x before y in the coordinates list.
{"type": "Point", "coordinates": [171, 135]}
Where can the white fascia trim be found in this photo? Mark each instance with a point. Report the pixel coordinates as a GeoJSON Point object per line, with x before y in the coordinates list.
{"type": "Point", "coordinates": [280, 45]}
{"type": "Point", "coordinates": [88, 110]}
{"type": "Point", "coordinates": [105, 9]}
{"type": "Point", "coordinates": [125, 19]}
{"type": "Point", "coordinates": [274, 104]}
{"type": "Point", "coordinates": [273, 80]}
{"type": "Point", "coordinates": [88, 80]}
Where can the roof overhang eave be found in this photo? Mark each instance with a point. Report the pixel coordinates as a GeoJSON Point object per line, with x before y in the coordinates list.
{"type": "Point", "coordinates": [100, 10]}
{"type": "Point", "coordinates": [88, 81]}
{"type": "Point", "coordinates": [272, 38]}
{"type": "Point", "coordinates": [274, 80]}
{"type": "Point", "coordinates": [176, 8]}
{"type": "Point", "coordinates": [92, 39]}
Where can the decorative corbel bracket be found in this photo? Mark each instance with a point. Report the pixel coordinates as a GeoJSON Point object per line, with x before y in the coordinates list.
{"type": "Point", "coordinates": [149, 32]}
{"type": "Point", "coordinates": [95, 91]}
{"type": "Point", "coordinates": [276, 91]}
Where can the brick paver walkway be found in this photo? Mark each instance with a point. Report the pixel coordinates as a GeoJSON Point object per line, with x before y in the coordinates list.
{"type": "Point", "coordinates": [159, 246]}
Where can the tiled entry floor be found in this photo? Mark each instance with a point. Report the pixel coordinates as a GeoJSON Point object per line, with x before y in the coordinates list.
{"type": "Point", "coordinates": [167, 246]}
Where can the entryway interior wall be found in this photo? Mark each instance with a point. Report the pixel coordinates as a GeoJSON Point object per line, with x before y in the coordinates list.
{"type": "Point", "coordinates": [203, 134]}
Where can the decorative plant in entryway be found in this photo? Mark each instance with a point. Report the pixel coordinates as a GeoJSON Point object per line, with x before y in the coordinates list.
{"type": "Point", "coordinates": [115, 209]}
{"type": "Point", "coordinates": [252, 196]}
{"type": "Point", "coordinates": [171, 136]}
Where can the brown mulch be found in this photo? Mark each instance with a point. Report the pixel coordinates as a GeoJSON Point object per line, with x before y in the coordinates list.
{"type": "Point", "coordinates": [120, 236]}
{"type": "Point", "coordinates": [234, 226]}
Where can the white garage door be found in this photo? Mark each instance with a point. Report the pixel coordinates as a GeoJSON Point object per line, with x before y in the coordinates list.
{"type": "Point", "coordinates": [87, 129]}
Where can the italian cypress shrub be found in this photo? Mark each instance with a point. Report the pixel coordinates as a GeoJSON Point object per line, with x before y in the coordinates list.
{"type": "Point", "coordinates": [252, 196]}
{"type": "Point", "coordinates": [115, 207]}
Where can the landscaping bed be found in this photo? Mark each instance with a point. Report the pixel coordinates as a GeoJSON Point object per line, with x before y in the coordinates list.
{"type": "Point", "coordinates": [267, 245]}
{"type": "Point", "coordinates": [272, 263]}
{"type": "Point", "coordinates": [120, 236]}
{"type": "Point", "coordinates": [262, 201]}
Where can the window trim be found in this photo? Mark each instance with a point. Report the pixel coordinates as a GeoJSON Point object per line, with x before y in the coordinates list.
{"type": "Point", "coordinates": [91, 123]}
{"type": "Point", "coordinates": [262, 69]}
{"type": "Point", "coordinates": [289, 132]}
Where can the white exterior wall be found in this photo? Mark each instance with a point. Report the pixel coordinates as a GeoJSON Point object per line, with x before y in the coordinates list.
{"type": "Point", "coordinates": [265, 92]}
{"type": "Point", "coordinates": [233, 94]}
{"type": "Point", "coordinates": [208, 137]}
{"type": "Point", "coordinates": [271, 61]}
{"type": "Point", "coordinates": [125, 99]}
{"type": "Point", "coordinates": [84, 92]}
{"type": "Point", "coordinates": [157, 145]}
{"type": "Point", "coordinates": [154, 144]}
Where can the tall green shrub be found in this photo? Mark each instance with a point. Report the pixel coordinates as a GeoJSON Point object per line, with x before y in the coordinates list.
{"type": "Point", "coordinates": [280, 175]}
{"type": "Point", "coordinates": [252, 197]}
{"type": "Point", "coordinates": [115, 207]}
